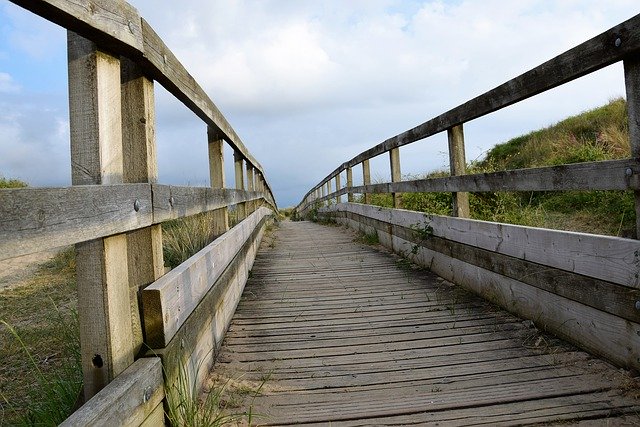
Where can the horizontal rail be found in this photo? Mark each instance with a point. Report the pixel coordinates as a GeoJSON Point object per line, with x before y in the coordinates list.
{"type": "Point", "coordinates": [38, 219]}
{"type": "Point", "coordinates": [603, 175]}
{"type": "Point", "coordinates": [605, 49]}
{"type": "Point", "coordinates": [117, 26]}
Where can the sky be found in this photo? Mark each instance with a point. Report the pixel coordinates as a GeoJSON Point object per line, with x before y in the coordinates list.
{"type": "Point", "coordinates": [309, 84]}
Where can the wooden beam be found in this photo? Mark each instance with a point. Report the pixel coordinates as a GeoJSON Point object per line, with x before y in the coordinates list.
{"type": "Point", "coordinates": [396, 174]}
{"type": "Point", "coordinates": [632, 83]}
{"type": "Point", "coordinates": [96, 158]}
{"type": "Point", "coordinates": [349, 184]}
{"type": "Point", "coordinates": [458, 166]}
{"type": "Point", "coordinates": [220, 216]}
{"type": "Point", "coordinates": [169, 301]}
{"type": "Point", "coordinates": [338, 185]}
{"type": "Point", "coordinates": [366, 178]}
{"type": "Point", "coordinates": [250, 187]}
{"type": "Point", "coordinates": [129, 400]}
{"type": "Point", "coordinates": [145, 259]}
{"type": "Point", "coordinates": [241, 210]}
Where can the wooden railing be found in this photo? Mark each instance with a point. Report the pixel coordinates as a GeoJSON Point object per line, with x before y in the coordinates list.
{"type": "Point", "coordinates": [129, 309]}
{"type": "Point", "coordinates": [583, 287]}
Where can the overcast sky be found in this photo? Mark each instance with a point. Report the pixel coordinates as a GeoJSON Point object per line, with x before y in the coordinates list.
{"type": "Point", "coordinates": [309, 84]}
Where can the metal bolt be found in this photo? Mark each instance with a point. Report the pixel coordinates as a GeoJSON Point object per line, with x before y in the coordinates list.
{"type": "Point", "coordinates": [147, 395]}
{"type": "Point", "coordinates": [628, 172]}
{"type": "Point", "coordinates": [171, 201]}
{"type": "Point", "coordinates": [637, 305]}
{"type": "Point", "coordinates": [618, 42]}
{"type": "Point", "coordinates": [136, 205]}
{"type": "Point", "coordinates": [164, 58]}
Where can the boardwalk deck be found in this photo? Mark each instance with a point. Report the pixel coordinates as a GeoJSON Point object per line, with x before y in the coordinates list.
{"type": "Point", "coordinates": [333, 331]}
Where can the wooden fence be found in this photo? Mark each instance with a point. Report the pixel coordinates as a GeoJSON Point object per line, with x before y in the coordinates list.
{"type": "Point", "coordinates": [583, 287]}
{"type": "Point", "coordinates": [138, 325]}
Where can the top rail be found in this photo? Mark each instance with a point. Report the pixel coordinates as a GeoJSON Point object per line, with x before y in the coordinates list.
{"type": "Point", "coordinates": [614, 45]}
{"type": "Point", "coordinates": [117, 26]}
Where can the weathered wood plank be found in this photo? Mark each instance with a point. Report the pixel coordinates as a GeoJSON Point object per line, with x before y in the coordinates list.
{"type": "Point", "coordinates": [632, 84]}
{"type": "Point", "coordinates": [396, 174]}
{"type": "Point", "coordinates": [169, 301]}
{"type": "Point", "coordinates": [37, 219]}
{"type": "Point", "coordinates": [607, 48]}
{"type": "Point", "coordinates": [104, 314]}
{"type": "Point", "coordinates": [217, 178]}
{"type": "Point", "coordinates": [458, 166]}
{"type": "Point", "coordinates": [129, 400]}
{"type": "Point", "coordinates": [366, 179]}
{"type": "Point", "coordinates": [607, 258]}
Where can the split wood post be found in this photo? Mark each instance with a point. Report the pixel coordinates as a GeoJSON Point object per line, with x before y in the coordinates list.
{"type": "Point", "coordinates": [349, 184]}
{"type": "Point", "coordinates": [632, 83]}
{"type": "Point", "coordinates": [394, 161]}
{"type": "Point", "coordinates": [104, 313]}
{"type": "Point", "coordinates": [458, 166]}
{"type": "Point", "coordinates": [220, 217]}
{"type": "Point", "coordinates": [338, 185]}
{"type": "Point", "coordinates": [145, 260]}
{"type": "Point", "coordinates": [328, 191]}
{"type": "Point", "coordinates": [241, 210]}
{"type": "Point", "coordinates": [250, 187]}
{"type": "Point", "coordinates": [366, 179]}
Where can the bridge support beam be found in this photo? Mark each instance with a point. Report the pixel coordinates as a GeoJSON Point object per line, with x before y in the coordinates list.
{"type": "Point", "coordinates": [220, 217]}
{"type": "Point", "coordinates": [104, 306]}
{"type": "Point", "coordinates": [458, 166]}
{"type": "Point", "coordinates": [632, 83]}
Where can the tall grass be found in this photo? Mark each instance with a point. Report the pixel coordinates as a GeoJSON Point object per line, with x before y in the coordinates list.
{"type": "Point", "coordinates": [181, 238]}
{"type": "Point", "coordinates": [11, 183]}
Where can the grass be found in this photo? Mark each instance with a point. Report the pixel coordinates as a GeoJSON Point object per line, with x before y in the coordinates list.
{"type": "Point", "coordinates": [12, 183]}
{"type": "Point", "coordinates": [40, 375]}
{"type": "Point", "coordinates": [182, 238]}
{"type": "Point", "coordinates": [595, 135]}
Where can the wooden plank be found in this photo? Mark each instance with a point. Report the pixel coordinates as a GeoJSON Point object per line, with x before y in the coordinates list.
{"type": "Point", "coordinates": [338, 185]}
{"type": "Point", "coordinates": [156, 418]}
{"type": "Point", "coordinates": [241, 208]}
{"type": "Point", "coordinates": [366, 179]}
{"type": "Point", "coordinates": [217, 178]}
{"type": "Point", "coordinates": [458, 166]}
{"type": "Point", "coordinates": [104, 313]}
{"type": "Point", "coordinates": [169, 301]}
{"type": "Point", "coordinates": [144, 247]}
{"type": "Point", "coordinates": [130, 399]}
{"type": "Point", "coordinates": [349, 184]}
{"type": "Point", "coordinates": [172, 202]}
{"type": "Point", "coordinates": [113, 24]}
{"type": "Point", "coordinates": [250, 206]}
{"type": "Point", "coordinates": [197, 342]}
{"type": "Point", "coordinates": [612, 259]}
{"type": "Point", "coordinates": [632, 83]}
{"type": "Point", "coordinates": [37, 219]}
{"type": "Point", "coordinates": [609, 47]}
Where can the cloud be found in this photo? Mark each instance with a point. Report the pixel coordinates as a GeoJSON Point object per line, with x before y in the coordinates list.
{"type": "Point", "coordinates": [7, 84]}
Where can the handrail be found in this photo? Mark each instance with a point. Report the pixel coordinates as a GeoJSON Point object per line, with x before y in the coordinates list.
{"type": "Point", "coordinates": [613, 45]}
{"type": "Point", "coordinates": [117, 26]}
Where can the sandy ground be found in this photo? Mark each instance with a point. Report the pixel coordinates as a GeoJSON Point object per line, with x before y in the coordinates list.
{"type": "Point", "coordinates": [16, 271]}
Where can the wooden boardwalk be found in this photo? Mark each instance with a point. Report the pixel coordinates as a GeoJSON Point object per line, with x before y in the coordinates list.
{"type": "Point", "coordinates": [331, 331]}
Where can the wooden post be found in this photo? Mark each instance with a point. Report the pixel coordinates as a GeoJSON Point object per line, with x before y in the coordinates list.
{"type": "Point", "coordinates": [104, 313]}
{"type": "Point", "coordinates": [220, 217]}
{"type": "Point", "coordinates": [366, 178]}
{"type": "Point", "coordinates": [329, 191]}
{"type": "Point", "coordinates": [458, 166]}
{"type": "Point", "coordinates": [250, 187]}
{"type": "Point", "coordinates": [338, 185]}
{"type": "Point", "coordinates": [396, 176]}
{"type": "Point", "coordinates": [241, 211]}
{"type": "Point", "coordinates": [145, 260]}
{"type": "Point", "coordinates": [349, 184]}
{"type": "Point", "coordinates": [632, 83]}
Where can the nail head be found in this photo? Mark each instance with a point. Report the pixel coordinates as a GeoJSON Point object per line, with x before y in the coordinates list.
{"type": "Point", "coordinates": [628, 172]}
{"type": "Point", "coordinates": [136, 205]}
{"type": "Point", "coordinates": [618, 42]}
{"type": "Point", "coordinates": [637, 305]}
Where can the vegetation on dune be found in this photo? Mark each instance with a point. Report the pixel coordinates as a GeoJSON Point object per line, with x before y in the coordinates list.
{"type": "Point", "coordinates": [11, 183]}
{"type": "Point", "coordinates": [598, 134]}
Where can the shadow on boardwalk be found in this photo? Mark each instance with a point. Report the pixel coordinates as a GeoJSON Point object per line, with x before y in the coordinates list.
{"type": "Point", "coordinates": [330, 330]}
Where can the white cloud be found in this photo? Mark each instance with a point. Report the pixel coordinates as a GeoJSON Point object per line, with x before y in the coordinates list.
{"type": "Point", "coordinates": [7, 84]}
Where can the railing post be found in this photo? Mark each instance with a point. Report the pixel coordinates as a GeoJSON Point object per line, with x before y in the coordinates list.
{"type": "Point", "coordinates": [366, 179]}
{"type": "Point", "coordinates": [349, 184]}
{"type": "Point", "coordinates": [250, 187]}
{"type": "Point", "coordinates": [458, 166]}
{"type": "Point", "coordinates": [396, 176]}
{"type": "Point", "coordinates": [104, 307]}
{"type": "Point", "coordinates": [145, 259]}
{"type": "Point", "coordinates": [632, 83]}
{"type": "Point", "coordinates": [220, 217]}
{"type": "Point", "coordinates": [338, 185]}
{"type": "Point", "coordinates": [241, 211]}
{"type": "Point", "coordinates": [329, 191]}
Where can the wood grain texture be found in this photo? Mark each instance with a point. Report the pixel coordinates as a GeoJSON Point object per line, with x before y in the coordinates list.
{"type": "Point", "coordinates": [169, 301]}
{"type": "Point", "coordinates": [366, 179]}
{"type": "Point", "coordinates": [396, 173]}
{"type": "Point", "coordinates": [632, 84]}
{"type": "Point", "coordinates": [349, 184]}
{"type": "Point", "coordinates": [587, 57]}
{"type": "Point", "coordinates": [320, 330]}
{"type": "Point", "coordinates": [131, 399]}
{"type": "Point", "coordinates": [217, 178]}
{"type": "Point", "coordinates": [612, 259]}
{"type": "Point", "coordinates": [458, 166]}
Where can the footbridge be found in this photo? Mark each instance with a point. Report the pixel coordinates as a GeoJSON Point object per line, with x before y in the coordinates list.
{"type": "Point", "coordinates": [418, 319]}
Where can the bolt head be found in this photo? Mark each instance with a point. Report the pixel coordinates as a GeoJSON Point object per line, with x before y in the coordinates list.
{"type": "Point", "coordinates": [171, 201]}
{"type": "Point", "coordinates": [637, 305]}
{"type": "Point", "coordinates": [618, 42]}
{"type": "Point", "coordinates": [628, 172]}
{"type": "Point", "coordinates": [136, 205]}
{"type": "Point", "coordinates": [147, 394]}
